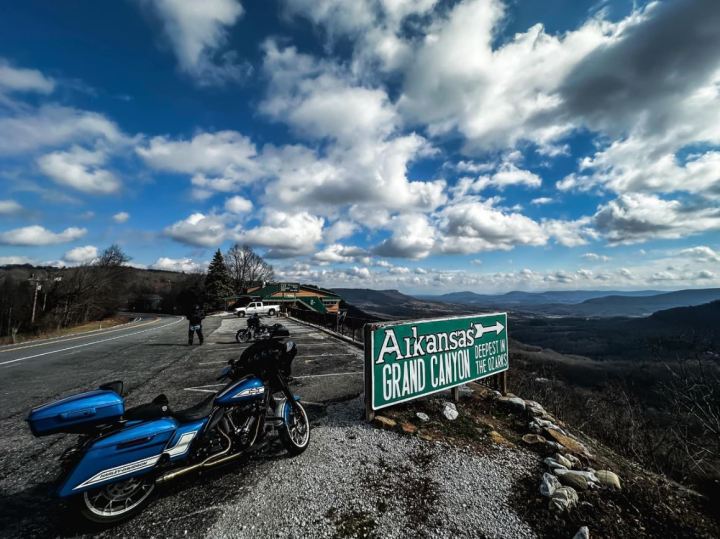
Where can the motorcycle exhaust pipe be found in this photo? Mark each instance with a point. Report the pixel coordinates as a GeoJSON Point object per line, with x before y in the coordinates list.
{"type": "Point", "coordinates": [212, 460]}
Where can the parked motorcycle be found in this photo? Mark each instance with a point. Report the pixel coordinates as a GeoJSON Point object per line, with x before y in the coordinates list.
{"type": "Point", "coordinates": [122, 455]}
{"type": "Point", "coordinates": [274, 331]}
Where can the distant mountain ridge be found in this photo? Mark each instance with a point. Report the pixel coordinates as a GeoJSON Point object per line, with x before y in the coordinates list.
{"type": "Point", "coordinates": [395, 304]}
{"type": "Point", "coordinates": [593, 303]}
{"type": "Point", "coordinates": [518, 297]}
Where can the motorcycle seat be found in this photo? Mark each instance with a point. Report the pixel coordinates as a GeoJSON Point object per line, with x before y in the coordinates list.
{"type": "Point", "coordinates": [195, 412]}
{"type": "Point", "coordinates": [160, 407]}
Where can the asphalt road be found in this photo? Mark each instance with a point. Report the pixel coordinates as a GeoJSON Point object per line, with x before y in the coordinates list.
{"type": "Point", "coordinates": [152, 357]}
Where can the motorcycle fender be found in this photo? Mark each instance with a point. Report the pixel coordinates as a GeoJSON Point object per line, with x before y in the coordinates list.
{"type": "Point", "coordinates": [127, 453]}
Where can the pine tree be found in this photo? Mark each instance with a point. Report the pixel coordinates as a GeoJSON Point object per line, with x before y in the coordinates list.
{"type": "Point", "coordinates": [217, 283]}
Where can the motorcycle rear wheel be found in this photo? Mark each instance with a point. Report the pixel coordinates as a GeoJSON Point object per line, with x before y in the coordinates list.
{"type": "Point", "coordinates": [117, 501]}
{"type": "Point", "coordinates": [295, 431]}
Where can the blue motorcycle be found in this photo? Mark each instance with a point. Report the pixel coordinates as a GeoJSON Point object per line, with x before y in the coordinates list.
{"type": "Point", "coordinates": [123, 454]}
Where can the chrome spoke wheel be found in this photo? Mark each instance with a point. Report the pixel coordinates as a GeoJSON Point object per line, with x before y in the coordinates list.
{"type": "Point", "coordinates": [119, 498]}
{"type": "Point", "coordinates": [297, 425]}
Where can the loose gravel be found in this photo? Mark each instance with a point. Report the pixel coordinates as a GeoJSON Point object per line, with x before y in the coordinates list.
{"type": "Point", "coordinates": [355, 481]}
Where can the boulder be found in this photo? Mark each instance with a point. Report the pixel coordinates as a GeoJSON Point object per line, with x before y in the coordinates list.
{"type": "Point", "coordinates": [548, 484]}
{"type": "Point", "coordinates": [534, 439]}
{"type": "Point", "coordinates": [568, 443]}
{"type": "Point", "coordinates": [608, 479]}
{"type": "Point", "coordinates": [422, 416]}
{"type": "Point", "coordinates": [582, 533]}
{"type": "Point", "coordinates": [573, 459]}
{"type": "Point", "coordinates": [561, 459]}
{"type": "Point", "coordinates": [575, 480]}
{"type": "Point", "coordinates": [449, 411]}
{"type": "Point", "coordinates": [553, 464]}
{"type": "Point", "coordinates": [563, 499]}
{"type": "Point", "coordinates": [513, 402]}
{"type": "Point", "coordinates": [534, 408]}
{"type": "Point", "coordinates": [384, 422]}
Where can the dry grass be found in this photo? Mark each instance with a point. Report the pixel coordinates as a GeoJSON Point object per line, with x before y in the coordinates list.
{"type": "Point", "coordinates": [73, 330]}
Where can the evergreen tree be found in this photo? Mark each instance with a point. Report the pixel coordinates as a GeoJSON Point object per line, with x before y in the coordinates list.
{"type": "Point", "coordinates": [217, 283]}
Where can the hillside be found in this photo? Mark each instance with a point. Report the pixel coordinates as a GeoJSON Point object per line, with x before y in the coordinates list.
{"type": "Point", "coordinates": [394, 304]}
{"type": "Point", "coordinates": [670, 334]}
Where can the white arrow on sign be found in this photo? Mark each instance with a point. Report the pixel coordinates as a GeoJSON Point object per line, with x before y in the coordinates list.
{"type": "Point", "coordinates": [481, 330]}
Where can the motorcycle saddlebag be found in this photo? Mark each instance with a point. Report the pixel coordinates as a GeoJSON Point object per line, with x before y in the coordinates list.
{"type": "Point", "coordinates": [77, 414]}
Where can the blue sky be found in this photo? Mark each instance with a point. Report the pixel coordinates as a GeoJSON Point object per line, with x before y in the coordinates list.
{"type": "Point", "coordinates": [415, 144]}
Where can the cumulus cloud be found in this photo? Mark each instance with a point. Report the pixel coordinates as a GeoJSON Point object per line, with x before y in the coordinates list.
{"type": "Point", "coordinates": [472, 226]}
{"type": "Point", "coordinates": [9, 207]}
{"type": "Point", "coordinates": [701, 253]}
{"type": "Point", "coordinates": [53, 125]}
{"type": "Point", "coordinates": [412, 236]}
{"type": "Point", "coordinates": [199, 229]}
{"type": "Point", "coordinates": [541, 201]}
{"type": "Point", "coordinates": [81, 255]}
{"type": "Point", "coordinates": [183, 265]}
{"type": "Point", "coordinates": [594, 257]}
{"type": "Point", "coordinates": [11, 260]}
{"type": "Point", "coordinates": [219, 153]}
{"type": "Point", "coordinates": [238, 204]}
{"type": "Point", "coordinates": [16, 79]}
{"type": "Point", "coordinates": [121, 217]}
{"type": "Point", "coordinates": [285, 234]}
{"type": "Point", "coordinates": [340, 229]}
{"type": "Point", "coordinates": [339, 253]}
{"type": "Point", "coordinates": [198, 32]}
{"type": "Point", "coordinates": [635, 217]}
{"type": "Point", "coordinates": [38, 235]}
{"type": "Point", "coordinates": [80, 169]}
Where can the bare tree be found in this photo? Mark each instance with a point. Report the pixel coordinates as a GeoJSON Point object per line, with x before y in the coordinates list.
{"type": "Point", "coordinates": [247, 268]}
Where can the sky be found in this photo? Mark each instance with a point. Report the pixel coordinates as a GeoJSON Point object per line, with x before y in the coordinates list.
{"type": "Point", "coordinates": [421, 145]}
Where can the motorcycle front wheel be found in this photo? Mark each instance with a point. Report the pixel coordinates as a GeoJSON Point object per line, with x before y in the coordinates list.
{"type": "Point", "coordinates": [295, 431]}
{"type": "Point", "coordinates": [117, 501]}
{"type": "Point", "coordinates": [243, 335]}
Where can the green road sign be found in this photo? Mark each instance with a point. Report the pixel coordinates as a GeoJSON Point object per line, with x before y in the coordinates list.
{"type": "Point", "coordinates": [406, 360]}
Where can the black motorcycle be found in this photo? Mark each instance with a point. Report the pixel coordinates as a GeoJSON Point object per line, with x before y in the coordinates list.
{"type": "Point", "coordinates": [261, 332]}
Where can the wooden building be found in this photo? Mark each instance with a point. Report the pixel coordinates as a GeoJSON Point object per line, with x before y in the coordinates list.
{"type": "Point", "coordinates": [300, 296]}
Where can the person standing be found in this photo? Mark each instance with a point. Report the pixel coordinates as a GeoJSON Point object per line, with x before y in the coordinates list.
{"type": "Point", "coordinates": [195, 318]}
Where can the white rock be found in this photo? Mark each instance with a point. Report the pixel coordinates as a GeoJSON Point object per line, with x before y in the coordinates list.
{"type": "Point", "coordinates": [608, 478]}
{"type": "Point", "coordinates": [563, 499]}
{"type": "Point", "coordinates": [513, 402]}
{"type": "Point", "coordinates": [582, 533]}
{"type": "Point", "coordinates": [422, 416]}
{"type": "Point", "coordinates": [560, 458]}
{"type": "Point", "coordinates": [548, 484]}
{"type": "Point", "coordinates": [449, 411]}
{"type": "Point", "coordinates": [553, 464]}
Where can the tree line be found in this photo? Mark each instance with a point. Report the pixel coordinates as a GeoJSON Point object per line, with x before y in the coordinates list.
{"type": "Point", "coordinates": [40, 300]}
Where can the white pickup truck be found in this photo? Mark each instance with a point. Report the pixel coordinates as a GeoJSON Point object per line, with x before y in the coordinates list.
{"type": "Point", "coordinates": [257, 307]}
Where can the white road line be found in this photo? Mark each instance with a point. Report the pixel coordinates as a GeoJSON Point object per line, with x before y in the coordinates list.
{"type": "Point", "coordinates": [91, 343]}
{"type": "Point", "coordinates": [71, 337]}
{"type": "Point", "coordinates": [212, 362]}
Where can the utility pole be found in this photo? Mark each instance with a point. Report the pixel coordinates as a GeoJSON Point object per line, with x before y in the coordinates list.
{"type": "Point", "coordinates": [38, 286]}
